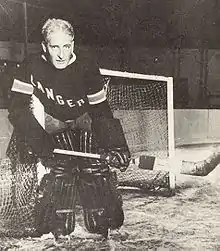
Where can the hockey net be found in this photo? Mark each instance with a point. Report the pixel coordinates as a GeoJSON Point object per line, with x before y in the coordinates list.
{"type": "Point", "coordinates": [144, 105]}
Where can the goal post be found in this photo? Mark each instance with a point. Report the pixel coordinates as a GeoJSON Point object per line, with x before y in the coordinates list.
{"type": "Point", "coordinates": [170, 107]}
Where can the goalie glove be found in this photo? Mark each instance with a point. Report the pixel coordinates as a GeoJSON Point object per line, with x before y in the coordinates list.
{"type": "Point", "coordinates": [118, 158]}
{"type": "Point", "coordinates": [110, 137]}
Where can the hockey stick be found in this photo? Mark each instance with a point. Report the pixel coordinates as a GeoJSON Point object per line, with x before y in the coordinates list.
{"type": "Point", "coordinates": [78, 154]}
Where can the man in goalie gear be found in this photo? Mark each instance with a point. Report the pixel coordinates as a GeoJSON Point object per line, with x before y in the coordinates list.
{"type": "Point", "coordinates": [50, 95]}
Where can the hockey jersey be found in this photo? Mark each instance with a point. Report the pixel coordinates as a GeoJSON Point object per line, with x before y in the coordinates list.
{"type": "Point", "coordinates": [64, 94]}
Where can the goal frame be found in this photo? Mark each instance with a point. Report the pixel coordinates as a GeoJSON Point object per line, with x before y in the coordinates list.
{"type": "Point", "coordinates": [170, 104]}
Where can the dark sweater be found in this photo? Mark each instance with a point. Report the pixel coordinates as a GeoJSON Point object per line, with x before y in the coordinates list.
{"type": "Point", "coordinates": [64, 94]}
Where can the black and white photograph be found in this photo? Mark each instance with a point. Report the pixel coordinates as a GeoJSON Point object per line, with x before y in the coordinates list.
{"type": "Point", "coordinates": [109, 125]}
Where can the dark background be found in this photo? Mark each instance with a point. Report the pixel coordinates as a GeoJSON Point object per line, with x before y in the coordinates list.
{"type": "Point", "coordinates": [164, 23]}
{"type": "Point", "coordinates": [126, 26]}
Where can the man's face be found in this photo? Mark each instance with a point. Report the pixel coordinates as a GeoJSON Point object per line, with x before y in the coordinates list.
{"type": "Point", "coordinates": [59, 49]}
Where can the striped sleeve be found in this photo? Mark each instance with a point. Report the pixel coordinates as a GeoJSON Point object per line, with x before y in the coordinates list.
{"type": "Point", "coordinates": [22, 87]}
{"type": "Point", "coordinates": [97, 97]}
{"type": "Point", "coordinates": [25, 115]}
{"type": "Point", "coordinates": [93, 81]}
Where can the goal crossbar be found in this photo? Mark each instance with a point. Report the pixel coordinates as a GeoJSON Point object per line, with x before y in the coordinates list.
{"type": "Point", "coordinates": [125, 74]}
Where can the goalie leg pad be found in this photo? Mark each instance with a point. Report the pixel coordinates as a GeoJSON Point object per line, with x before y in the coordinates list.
{"type": "Point", "coordinates": [45, 207]}
{"type": "Point", "coordinates": [114, 204]}
{"type": "Point", "coordinates": [91, 198]}
{"type": "Point", "coordinates": [102, 204]}
{"type": "Point", "coordinates": [56, 205]}
{"type": "Point", "coordinates": [65, 202]}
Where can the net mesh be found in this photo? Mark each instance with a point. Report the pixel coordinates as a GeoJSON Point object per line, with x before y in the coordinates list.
{"type": "Point", "coordinates": [142, 107]}
{"type": "Point", "coordinates": [18, 184]}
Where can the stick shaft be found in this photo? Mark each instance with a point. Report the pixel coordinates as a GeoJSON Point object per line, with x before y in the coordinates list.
{"type": "Point", "coordinates": [78, 154]}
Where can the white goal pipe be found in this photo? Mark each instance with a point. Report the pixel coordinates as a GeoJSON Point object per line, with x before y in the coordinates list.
{"type": "Point", "coordinates": [170, 107]}
{"type": "Point", "coordinates": [125, 74]}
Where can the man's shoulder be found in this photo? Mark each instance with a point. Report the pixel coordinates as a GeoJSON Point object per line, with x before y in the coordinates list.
{"type": "Point", "coordinates": [33, 59]}
{"type": "Point", "coordinates": [87, 59]}
{"type": "Point", "coordinates": [35, 64]}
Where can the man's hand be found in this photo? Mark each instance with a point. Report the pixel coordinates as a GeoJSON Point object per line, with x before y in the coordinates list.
{"type": "Point", "coordinates": [118, 158]}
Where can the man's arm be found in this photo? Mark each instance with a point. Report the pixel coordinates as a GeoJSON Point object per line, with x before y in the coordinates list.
{"type": "Point", "coordinates": [110, 135]}
{"type": "Point", "coordinates": [105, 127]}
{"type": "Point", "coordinates": [100, 111]}
{"type": "Point", "coordinates": [25, 123]}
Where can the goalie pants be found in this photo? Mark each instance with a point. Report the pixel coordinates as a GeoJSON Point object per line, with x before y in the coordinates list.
{"type": "Point", "coordinates": [96, 190]}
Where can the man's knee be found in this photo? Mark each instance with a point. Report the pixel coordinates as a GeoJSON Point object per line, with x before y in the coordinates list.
{"type": "Point", "coordinates": [101, 201]}
{"type": "Point", "coordinates": [56, 204]}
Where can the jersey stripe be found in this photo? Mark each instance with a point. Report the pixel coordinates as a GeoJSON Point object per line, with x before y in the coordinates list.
{"type": "Point", "coordinates": [97, 98]}
{"type": "Point", "coordinates": [38, 110]}
{"type": "Point", "coordinates": [22, 87]}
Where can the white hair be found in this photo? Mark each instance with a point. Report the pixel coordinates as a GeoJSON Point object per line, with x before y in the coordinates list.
{"type": "Point", "coordinates": [52, 25]}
